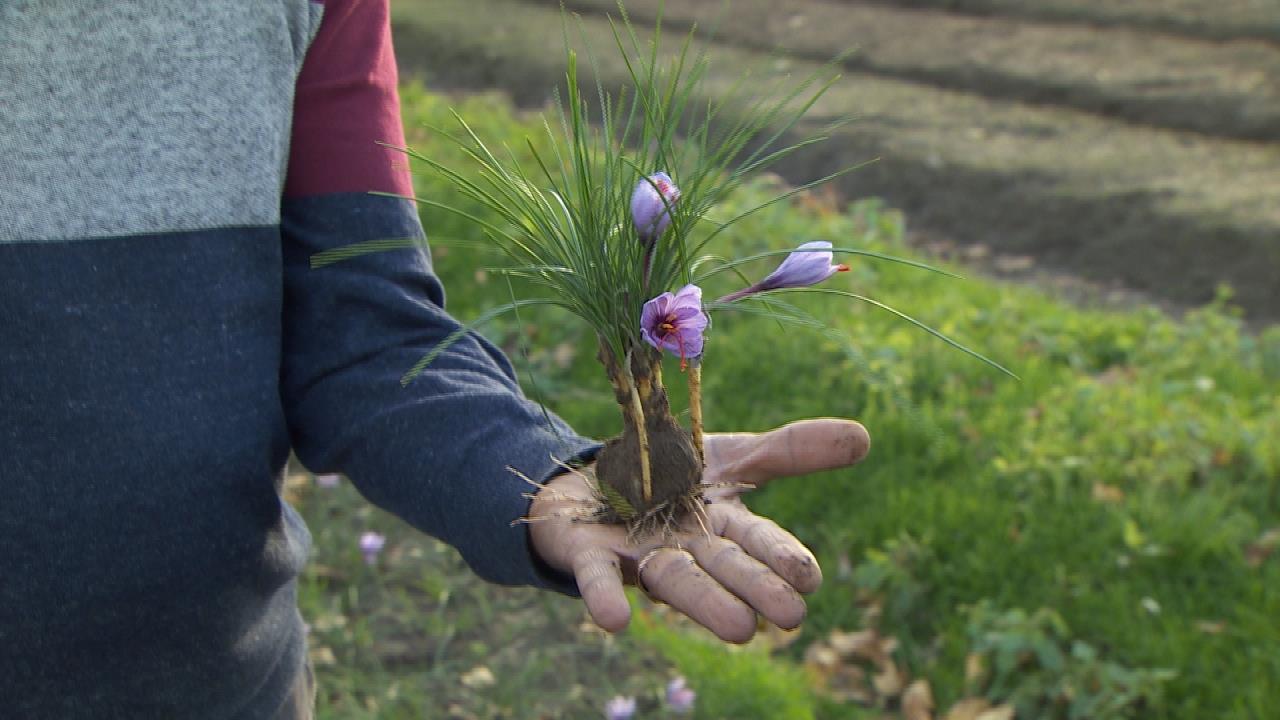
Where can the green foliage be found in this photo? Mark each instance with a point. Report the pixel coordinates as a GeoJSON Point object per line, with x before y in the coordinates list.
{"type": "Point", "coordinates": [1118, 483]}
{"type": "Point", "coordinates": [889, 580]}
{"type": "Point", "coordinates": [1032, 664]}
{"type": "Point", "coordinates": [731, 682]}
{"type": "Point", "coordinates": [413, 635]}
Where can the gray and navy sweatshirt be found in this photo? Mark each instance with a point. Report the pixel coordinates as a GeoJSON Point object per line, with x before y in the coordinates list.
{"type": "Point", "coordinates": [167, 170]}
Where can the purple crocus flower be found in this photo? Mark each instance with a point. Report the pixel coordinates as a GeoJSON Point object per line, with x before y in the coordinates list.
{"type": "Point", "coordinates": [371, 543]}
{"type": "Point", "coordinates": [675, 322]}
{"type": "Point", "coordinates": [680, 697]}
{"type": "Point", "coordinates": [650, 202]}
{"type": "Point", "coordinates": [809, 264]}
{"type": "Point", "coordinates": [620, 708]}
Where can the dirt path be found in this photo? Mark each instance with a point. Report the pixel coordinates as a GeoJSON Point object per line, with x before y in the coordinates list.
{"type": "Point", "coordinates": [1098, 146]}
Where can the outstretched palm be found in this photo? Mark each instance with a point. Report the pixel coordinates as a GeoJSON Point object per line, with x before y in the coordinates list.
{"type": "Point", "coordinates": [722, 575]}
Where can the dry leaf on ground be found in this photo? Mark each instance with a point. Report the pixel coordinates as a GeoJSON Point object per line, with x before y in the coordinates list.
{"type": "Point", "coordinates": [1108, 494]}
{"type": "Point", "coordinates": [1000, 712]}
{"type": "Point", "coordinates": [889, 681]}
{"type": "Point", "coordinates": [1259, 550]}
{"type": "Point", "coordinates": [1211, 627]}
{"type": "Point", "coordinates": [864, 644]}
{"type": "Point", "coordinates": [322, 656]}
{"type": "Point", "coordinates": [975, 669]}
{"type": "Point", "coordinates": [849, 684]}
{"type": "Point", "coordinates": [917, 701]}
{"type": "Point", "coordinates": [478, 677]}
{"type": "Point", "coordinates": [821, 657]}
{"type": "Point", "coordinates": [563, 355]}
{"type": "Point", "coordinates": [967, 709]}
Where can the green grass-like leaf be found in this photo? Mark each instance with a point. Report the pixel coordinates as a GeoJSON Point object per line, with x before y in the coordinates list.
{"type": "Point", "coordinates": [564, 219]}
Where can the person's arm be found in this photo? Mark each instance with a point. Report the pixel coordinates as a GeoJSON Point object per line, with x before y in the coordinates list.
{"type": "Point", "coordinates": [435, 453]}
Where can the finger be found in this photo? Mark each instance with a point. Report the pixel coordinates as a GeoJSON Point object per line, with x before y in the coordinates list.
{"type": "Point", "coordinates": [600, 583]}
{"type": "Point", "coordinates": [675, 578]}
{"type": "Point", "coordinates": [750, 580]}
{"type": "Point", "coordinates": [763, 540]}
{"type": "Point", "coordinates": [800, 447]}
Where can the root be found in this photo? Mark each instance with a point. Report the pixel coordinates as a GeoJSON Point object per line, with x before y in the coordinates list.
{"type": "Point", "coordinates": [587, 513]}
{"type": "Point", "coordinates": [583, 509]}
{"type": "Point", "coordinates": [664, 520]}
{"type": "Point", "coordinates": [700, 514]}
{"type": "Point", "coordinates": [726, 490]}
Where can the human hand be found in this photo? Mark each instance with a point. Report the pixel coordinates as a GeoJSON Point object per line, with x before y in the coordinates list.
{"type": "Point", "coordinates": [743, 564]}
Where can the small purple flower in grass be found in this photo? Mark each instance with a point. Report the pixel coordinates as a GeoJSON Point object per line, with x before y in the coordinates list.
{"type": "Point", "coordinates": [809, 264]}
{"type": "Point", "coordinates": [371, 543]}
{"type": "Point", "coordinates": [680, 697]}
{"type": "Point", "coordinates": [675, 322]}
{"type": "Point", "coordinates": [620, 708]}
{"type": "Point", "coordinates": [328, 480]}
{"type": "Point", "coordinates": [648, 209]}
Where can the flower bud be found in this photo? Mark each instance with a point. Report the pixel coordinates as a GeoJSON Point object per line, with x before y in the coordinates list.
{"type": "Point", "coordinates": [651, 202]}
{"type": "Point", "coordinates": [809, 264]}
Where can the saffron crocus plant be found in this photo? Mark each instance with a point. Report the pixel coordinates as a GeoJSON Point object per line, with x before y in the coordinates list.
{"type": "Point", "coordinates": [371, 544]}
{"type": "Point", "coordinates": [808, 265]}
{"type": "Point", "coordinates": [612, 224]}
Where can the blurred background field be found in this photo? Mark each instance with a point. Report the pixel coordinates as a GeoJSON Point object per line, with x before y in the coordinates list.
{"type": "Point", "coordinates": [1097, 540]}
{"type": "Point", "coordinates": [1134, 144]}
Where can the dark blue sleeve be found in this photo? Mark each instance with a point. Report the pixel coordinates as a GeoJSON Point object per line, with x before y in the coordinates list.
{"type": "Point", "coordinates": [436, 453]}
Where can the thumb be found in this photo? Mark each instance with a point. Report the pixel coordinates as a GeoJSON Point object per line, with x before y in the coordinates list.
{"type": "Point", "coordinates": [797, 448]}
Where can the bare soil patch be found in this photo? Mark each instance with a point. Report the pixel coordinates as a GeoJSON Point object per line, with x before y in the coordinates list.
{"type": "Point", "coordinates": [1209, 19]}
{"type": "Point", "coordinates": [1166, 81]}
{"type": "Point", "coordinates": [1168, 212]}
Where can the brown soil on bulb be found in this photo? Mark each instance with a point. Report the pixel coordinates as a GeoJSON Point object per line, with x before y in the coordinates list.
{"type": "Point", "coordinates": [675, 465]}
{"type": "Point", "coordinates": [675, 470]}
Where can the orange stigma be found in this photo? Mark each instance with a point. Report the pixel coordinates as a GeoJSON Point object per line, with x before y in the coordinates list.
{"type": "Point", "coordinates": [669, 326]}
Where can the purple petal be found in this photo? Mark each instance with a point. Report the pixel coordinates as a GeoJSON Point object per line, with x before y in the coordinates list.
{"type": "Point", "coordinates": [675, 322]}
{"type": "Point", "coordinates": [689, 296]}
{"type": "Point", "coordinates": [620, 708]}
{"type": "Point", "coordinates": [655, 309]}
{"type": "Point", "coordinates": [371, 543]}
{"type": "Point", "coordinates": [808, 265]}
{"type": "Point", "coordinates": [680, 697]}
{"type": "Point", "coordinates": [648, 210]}
{"type": "Point", "coordinates": [685, 314]}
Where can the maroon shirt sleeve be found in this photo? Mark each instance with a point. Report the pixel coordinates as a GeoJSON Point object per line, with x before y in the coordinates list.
{"type": "Point", "coordinates": [346, 103]}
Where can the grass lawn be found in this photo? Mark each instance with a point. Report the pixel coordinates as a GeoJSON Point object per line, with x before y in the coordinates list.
{"type": "Point", "coordinates": [1090, 541]}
